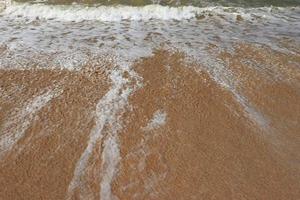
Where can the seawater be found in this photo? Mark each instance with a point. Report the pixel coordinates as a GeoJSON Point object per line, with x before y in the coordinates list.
{"type": "Point", "coordinates": [67, 36]}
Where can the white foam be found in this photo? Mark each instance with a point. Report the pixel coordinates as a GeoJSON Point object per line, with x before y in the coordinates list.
{"type": "Point", "coordinates": [107, 112]}
{"type": "Point", "coordinates": [16, 126]}
{"type": "Point", "coordinates": [60, 43]}
{"type": "Point", "coordinates": [4, 4]}
{"type": "Point", "coordinates": [159, 119]}
{"type": "Point", "coordinates": [117, 13]}
{"type": "Point", "coordinates": [110, 161]}
{"type": "Point", "coordinates": [101, 13]}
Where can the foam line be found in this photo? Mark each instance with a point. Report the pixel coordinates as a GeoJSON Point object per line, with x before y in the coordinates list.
{"type": "Point", "coordinates": [107, 111]}
{"type": "Point", "coordinates": [117, 13]}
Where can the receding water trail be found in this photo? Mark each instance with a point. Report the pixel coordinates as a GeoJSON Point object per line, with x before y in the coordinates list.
{"type": "Point", "coordinates": [110, 161]}
{"type": "Point", "coordinates": [108, 110]}
{"type": "Point", "coordinates": [16, 125]}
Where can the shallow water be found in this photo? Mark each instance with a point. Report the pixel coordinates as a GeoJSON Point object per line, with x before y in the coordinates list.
{"type": "Point", "coordinates": [66, 36]}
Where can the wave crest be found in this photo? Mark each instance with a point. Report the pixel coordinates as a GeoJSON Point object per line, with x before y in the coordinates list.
{"type": "Point", "coordinates": [117, 13]}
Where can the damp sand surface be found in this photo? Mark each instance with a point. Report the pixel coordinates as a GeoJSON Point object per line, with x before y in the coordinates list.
{"type": "Point", "coordinates": [166, 127]}
{"type": "Point", "coordinates": [208, 148]}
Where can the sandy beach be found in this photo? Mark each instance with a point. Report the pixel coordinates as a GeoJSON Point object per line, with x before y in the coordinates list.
{"type": "Point", "coordinates": [148, 107]}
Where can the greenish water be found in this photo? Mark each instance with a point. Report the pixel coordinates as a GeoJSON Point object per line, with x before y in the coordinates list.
{"type": "Point", "coordinates": [198, 3]}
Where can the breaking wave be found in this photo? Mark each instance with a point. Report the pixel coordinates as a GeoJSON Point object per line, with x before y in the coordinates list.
{"type": "Point", "coordinates": [79, 13]}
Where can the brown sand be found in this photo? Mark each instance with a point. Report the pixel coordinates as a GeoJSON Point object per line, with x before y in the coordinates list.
{"type": "Point", "coordinates": [55, 140]}
{"type": "Point", "coordinates": [271, 83]}
{"type": "Point", "coordinates": [208, 148]}
{"type": "Point", "coordinates": [204, 151]}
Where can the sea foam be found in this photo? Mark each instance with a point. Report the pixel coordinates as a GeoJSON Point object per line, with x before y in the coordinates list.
{"type": "Point", "coordinates": [79, 13]}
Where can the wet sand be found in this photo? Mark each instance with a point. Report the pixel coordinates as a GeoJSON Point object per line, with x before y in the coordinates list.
{"type": "Point", "coordinates": [205, 150]}
{"type": "Point", "coordinates": [41, 163]}
{"type": "Point", "coordinates": [270, 80]}
{"type": "Point", "coordinates": [183, 134]}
